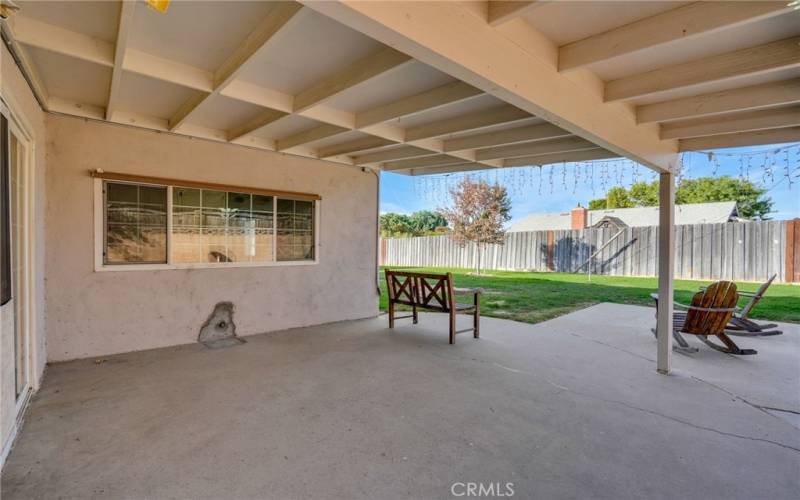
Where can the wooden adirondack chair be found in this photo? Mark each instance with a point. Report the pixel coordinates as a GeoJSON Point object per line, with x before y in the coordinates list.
{"type": "Point", "coordinates": [741, 325]}
{"type": "Point", "coordinates": [708, 314]}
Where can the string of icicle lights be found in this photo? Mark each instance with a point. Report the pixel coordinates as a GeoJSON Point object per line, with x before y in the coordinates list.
{"type": "Point", "coordinates": [768, 168]}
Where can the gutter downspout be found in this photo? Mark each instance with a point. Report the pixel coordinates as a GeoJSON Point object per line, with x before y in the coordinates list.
{"type": "Point", "coordinates": [377, 174]}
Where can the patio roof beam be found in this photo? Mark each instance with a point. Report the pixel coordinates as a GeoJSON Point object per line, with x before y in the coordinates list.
{"type": "Point", "coordinates": [56, 39]}
{"type": "Point", "coordinates": [502, 11]}
{"type": "Point", "coordinates": [540, 132]}
{"type": "Point", "coordinates": [254, 124]}
{"type": "Point", "coordinates": [741, 99]}
{"type": "Point", "coordinates": [570, 156]}
{"type": "Point", "coordinates": [770, 57]}
{"type": "Point", "coordinates": [427, 161]}
{"type": "Point", "coordinates": [677, 24]}
{"type": "Point", "coordinates": [466, 123]}
{"type": "Point", "coordinates": [460, 167]}
{"type": "Point", "coordinates": [426, 101]}
{"type": "Point", "coordinates": [396, 153]}
{"type": "Point", "coordinates": [309, 135]}
{"type": "Point", "coordinates": [278, 17]}
{"type": "Point", "coordinates": [573, 143]}
{"type": "Point", "coordinates": [760, 137]}
{"type": "Point", "coordinates": [354, 146]}
{"type": "Point", "coordinates": [745, 121]}
{"type": "Point", "coordinates": [123, 29]}
{"type": "Point", "coordinates": [454, 38]}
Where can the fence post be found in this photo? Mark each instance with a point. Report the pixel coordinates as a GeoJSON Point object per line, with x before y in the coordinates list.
{"type": "Point", "coordinates": [792, 251]}
{"type": "Point", "coordinates": [550, 250]}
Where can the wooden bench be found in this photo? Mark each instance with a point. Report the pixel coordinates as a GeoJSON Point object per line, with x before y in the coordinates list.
{"type": "Point", "coordinates": [432, 292]}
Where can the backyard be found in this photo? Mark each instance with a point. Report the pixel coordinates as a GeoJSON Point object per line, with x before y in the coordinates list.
{"type": "Point", "coordinates": [532, 297]}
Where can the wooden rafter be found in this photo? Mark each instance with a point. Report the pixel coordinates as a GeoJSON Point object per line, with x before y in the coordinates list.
{"type": "Point", "coordinates": [395, 153]}
{"type": "Point", "coordinates": [677, 24]}
{"type": "Point", "coordinates": [535, 148]}
{"type": "Point", "coordinates": [426, 161]}
{"type": "Point", "coordinates": [761, 137]}
{"type": "Point", "coordinates": [426, 101]}
{"type": "Point", "coordinates": [742, 99]}
{"type": "Point", "coordinates": [547, 159]}
{"type": "Point", "coordinates": [465, 123]}
{"type": "Point", "coordinates": [745, 121]}
{"type": "Point", "coordinates": [310, 135]}
{"type": "Point", "coordinates": [542, 131]}
{"type": "Point", "coordinates": [260, 121]}
{"type": "Point", "coordinates": [775, 56]}
{"type": "Point", "coordinates": [361, 71]}
{"type": "Point", "coordinates": [123, 29]}
{"type": "Point", "coordinates": [354, 146]}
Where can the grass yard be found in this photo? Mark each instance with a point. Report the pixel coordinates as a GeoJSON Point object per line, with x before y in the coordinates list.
{"type": "Point", "coordinates": [533, 297]}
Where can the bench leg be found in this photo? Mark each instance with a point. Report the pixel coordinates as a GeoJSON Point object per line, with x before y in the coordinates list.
{"type": "Point", "coordinates": [452, 327]}
{"type": "Point", "coordinates": [414, 314]}
{"type": "Point", "coordinates": [476, 318]}
{"type": "Point", "coordinates": [391, 314]}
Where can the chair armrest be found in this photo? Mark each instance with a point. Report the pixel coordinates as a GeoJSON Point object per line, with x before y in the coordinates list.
{"type": "Point", "coordinates": [747, 294]}
{"type": "Point", "coordinates": [695, 308]}
{"type": "Point", "coordinates": [465, 291]}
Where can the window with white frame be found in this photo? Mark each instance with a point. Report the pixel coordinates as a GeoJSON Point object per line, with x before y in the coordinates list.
{"type": "Point", "coordinates": [185, 226]}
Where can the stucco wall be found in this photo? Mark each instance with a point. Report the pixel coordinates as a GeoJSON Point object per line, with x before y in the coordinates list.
{"type": "Point", "coordinates": [19, 98]}
{"type": "Point", "coordinates": [96, 313]}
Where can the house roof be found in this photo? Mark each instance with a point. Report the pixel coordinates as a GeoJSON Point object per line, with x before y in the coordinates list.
{"type": "Point", "coordinates": [694, 213]}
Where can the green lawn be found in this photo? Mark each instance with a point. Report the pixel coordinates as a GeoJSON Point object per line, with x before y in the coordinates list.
{"type": "Point", "coordinates": [533, 297]}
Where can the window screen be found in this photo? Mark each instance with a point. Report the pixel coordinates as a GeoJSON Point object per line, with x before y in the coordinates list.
{"type": "Point", "coordinates": [136, 223]}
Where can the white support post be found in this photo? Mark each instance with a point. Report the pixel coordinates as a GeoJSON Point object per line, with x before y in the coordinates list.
{"type": "Point", "coordinates": [666, 267]}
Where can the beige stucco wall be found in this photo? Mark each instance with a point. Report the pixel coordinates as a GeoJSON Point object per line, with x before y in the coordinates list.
{"type": "Point", "coordinates": [96, 313]}
{"type": "Point", "coordinates": [20, 100]}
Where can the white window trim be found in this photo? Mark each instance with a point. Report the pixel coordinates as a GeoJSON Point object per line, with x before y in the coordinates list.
{"type": "Point", "coordinates": [99, 241]}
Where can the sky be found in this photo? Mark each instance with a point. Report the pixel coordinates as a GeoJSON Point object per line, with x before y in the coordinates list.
{"type": "Point", "coordinates": [406, 194]}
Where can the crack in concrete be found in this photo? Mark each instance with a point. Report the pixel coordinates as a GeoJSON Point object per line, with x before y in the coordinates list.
{"type": "Point", "coordinates": [637, 408]}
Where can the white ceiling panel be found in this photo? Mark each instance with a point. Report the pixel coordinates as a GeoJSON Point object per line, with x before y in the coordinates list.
{"type": "Point", "coordinates": [200, 34]}
{"type": "Point", "coordinates": [72, 79]}
{"type": "Point", "coordinates": [481, 103]}
{"type": "Point", "coordinates": [307, 50]}
{"type": "Point", "coordinates": [285, 127]}
{"type": "Point", "coordinates": [96, 19]}
{"type": "Point", "coordinates": [569, 21]}
{"type": "Point", "coordinates": [148, 96]}
{"type": "Point", "coordinates": [223, 113]}
{"type": "Point", "coordinates": [407, 81]}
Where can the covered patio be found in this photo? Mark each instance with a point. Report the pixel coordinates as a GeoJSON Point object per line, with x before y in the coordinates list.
{"type": "Point", "coordinates": [165, 162]}
{"type": "Point", "coordinates": [566, 408]}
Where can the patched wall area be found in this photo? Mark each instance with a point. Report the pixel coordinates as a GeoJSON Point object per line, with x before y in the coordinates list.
{"type": "Point", "coordinates": [93, 313]}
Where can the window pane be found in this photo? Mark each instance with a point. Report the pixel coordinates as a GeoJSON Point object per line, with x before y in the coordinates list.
{"type": "Point", "coordinates": [186, 196]}
{"type": "Point", "coordinates": [136, 223]}
{"type": "Point", "coordinates": [295, 230]}
{"type": "Point", "coordinates": [223, 227]}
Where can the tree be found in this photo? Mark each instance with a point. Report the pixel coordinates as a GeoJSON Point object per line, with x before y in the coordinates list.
{"type": "Point", "coordinates": [419, 223]}
{"type": "Point", "coordinates": [477, 214]}
{"type": "Point", "coordinates": [426, 222]}
{"type": "Point", "coordinates": [749, 197]}
{"type": "Point", "coordinates": [392, 224]}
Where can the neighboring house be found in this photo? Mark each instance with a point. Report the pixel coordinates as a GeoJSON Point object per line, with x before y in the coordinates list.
{"type": "Point", "coordinates": [579, 217]}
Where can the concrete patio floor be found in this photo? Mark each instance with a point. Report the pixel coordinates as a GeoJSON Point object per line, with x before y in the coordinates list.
{"type": "Point", "coordinates": [570, 408]}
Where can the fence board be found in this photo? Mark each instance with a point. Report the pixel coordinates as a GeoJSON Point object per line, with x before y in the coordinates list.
{"type": "Point", "coordinates": [747, 251]}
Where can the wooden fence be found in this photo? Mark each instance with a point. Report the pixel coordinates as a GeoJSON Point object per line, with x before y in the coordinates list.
{"type": "Point", "coordinates": [741, 251]}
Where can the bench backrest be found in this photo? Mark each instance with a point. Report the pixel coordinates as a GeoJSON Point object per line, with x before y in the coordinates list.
{"type": "Point", "coordinates": [426, 290]}
{"type": "Point", "coordinates": [720, 295]}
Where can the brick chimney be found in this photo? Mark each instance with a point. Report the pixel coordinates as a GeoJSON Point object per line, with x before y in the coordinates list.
{"type": "Point", "coordinates": [580, 217]}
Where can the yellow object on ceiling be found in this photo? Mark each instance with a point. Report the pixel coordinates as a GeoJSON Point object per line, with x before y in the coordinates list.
{"type": "Point", "coordinates": [159, 5]}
